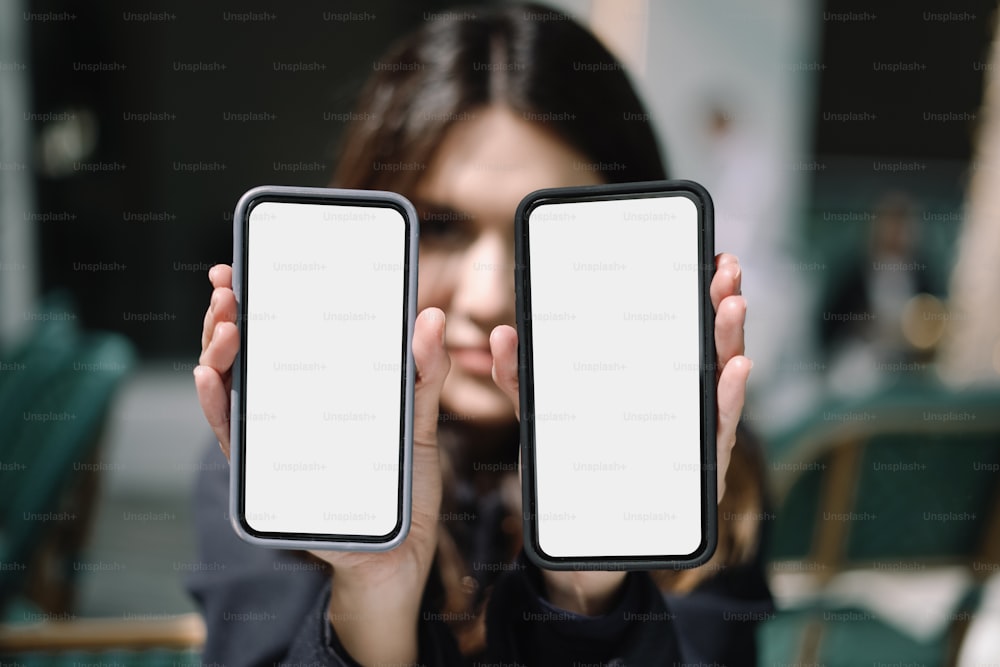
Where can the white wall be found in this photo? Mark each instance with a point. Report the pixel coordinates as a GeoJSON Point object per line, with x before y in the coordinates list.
{"type": "Point", "coordinates": [758, 59]}
{"type": "Point", "coordinates": [19, 273]}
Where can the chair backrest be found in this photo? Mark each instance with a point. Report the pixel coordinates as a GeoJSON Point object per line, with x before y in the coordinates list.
{"type": "Point", "coordinates": [170, 641]}
{"type": "Point", "coordinates": [906, 478]}
{"type": "Point", "coordinates": [53, 402]}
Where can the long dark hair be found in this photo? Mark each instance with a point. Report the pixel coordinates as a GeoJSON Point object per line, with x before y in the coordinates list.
{"type": "Point", "coordinates": [534, 60]}
{"type": "Point", "coordinates": [549, 70]}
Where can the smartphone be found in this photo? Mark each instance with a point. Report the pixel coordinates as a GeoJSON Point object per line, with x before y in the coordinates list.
{"type": "Point", "coordinates": [322, 395]}
{"type": "Point", "coordinates": [617, 375]}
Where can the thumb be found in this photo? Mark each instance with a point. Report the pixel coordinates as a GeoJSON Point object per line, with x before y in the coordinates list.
{"type": "Point", "coordinates": [503, 345]}
{"type": "Point", "coordinates": [432, 363]}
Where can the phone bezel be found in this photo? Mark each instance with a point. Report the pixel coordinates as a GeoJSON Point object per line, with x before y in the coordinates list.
{"type": "Point", "coordinates": [706, 254]}
{"type": "Point", "coordinates": [241, 220]}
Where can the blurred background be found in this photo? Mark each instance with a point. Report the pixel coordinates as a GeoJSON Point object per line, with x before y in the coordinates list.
{"type": "Point", "coordinates": [849, 147]}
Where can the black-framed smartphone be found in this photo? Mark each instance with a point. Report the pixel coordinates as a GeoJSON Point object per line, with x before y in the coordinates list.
{"type": "Point", "coordinates": [617, 375]}
{"type": "Point", "coordinates": [322, 395]}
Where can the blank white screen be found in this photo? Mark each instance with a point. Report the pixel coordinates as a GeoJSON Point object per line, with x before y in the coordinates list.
{"type": "Point", "coordinates": [324, 345]}
{"type": "Point", "coordinates": [616, 359]}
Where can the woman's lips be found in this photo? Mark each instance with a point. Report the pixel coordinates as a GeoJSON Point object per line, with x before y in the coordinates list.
{"type": "Point", "coordinates": [476, 360]}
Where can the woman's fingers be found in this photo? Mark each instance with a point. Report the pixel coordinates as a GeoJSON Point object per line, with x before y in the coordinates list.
{"type": "Point", "coordinates": [734, 368]}
{"type": "Point", "coordinates": [731, 394]}
{"type": "Point", "coordinates": [727, 280]}
{"type": "Point", "coordinates": [219, 345]}
{"type": "Point", "coordinates": [222, 348]}
{"type": "Point", "coordinates": [729, 320]}
{"type": "Point", "coordinates": [503, 346]}
{"type": "Point", "coordinates": [221, 308]}
{"type": "Point", "coordinates": [221, 275]}
{"type": "Point", "coordinates": [212, 378]}
{"type": "Point", "coordinates": [213, 394]}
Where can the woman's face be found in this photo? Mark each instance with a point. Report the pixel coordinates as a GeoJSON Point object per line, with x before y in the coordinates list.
{"type": "Point", "coordinates": [466, 200]}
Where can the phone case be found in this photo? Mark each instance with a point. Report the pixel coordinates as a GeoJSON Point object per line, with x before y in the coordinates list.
{"type": "Point", "coordinates": [709, 508]}
{"type": "Point", "coordinates": [240, 220]}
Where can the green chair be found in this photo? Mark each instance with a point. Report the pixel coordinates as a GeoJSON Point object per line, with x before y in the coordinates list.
{"type": "Point", "coordinates": [55, 393]}
{"type": "Point", "coordinates": [903, 481]}
{"type": "Point", "coordinates": [53, 402]}
{"type": "Point", "coordinates": [164, 642]}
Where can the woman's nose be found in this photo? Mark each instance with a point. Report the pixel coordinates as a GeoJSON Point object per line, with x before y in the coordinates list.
{"type": "Point", "coordinates": [485, 290]}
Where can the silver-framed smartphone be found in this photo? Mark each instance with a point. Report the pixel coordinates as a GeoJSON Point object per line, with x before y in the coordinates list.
{"type": "Point", "coordinates": [322, 394]}
{"type": "Point", "coordinates": [617, 375]}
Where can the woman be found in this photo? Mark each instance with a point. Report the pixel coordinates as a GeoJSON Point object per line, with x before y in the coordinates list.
{"type": "Point", "coordinates": [465, 117]}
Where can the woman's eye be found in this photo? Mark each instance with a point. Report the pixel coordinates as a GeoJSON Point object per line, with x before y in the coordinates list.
{"type": "Point", "coordinates": [445, 229]}
{"type": "Point", "coordinates": [434, 229]}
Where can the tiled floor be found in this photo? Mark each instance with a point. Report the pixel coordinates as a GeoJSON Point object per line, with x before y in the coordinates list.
{"type": "Point", "coordinates": [139, 551]}
{"type": "Point", "coordinates": [142, 537]}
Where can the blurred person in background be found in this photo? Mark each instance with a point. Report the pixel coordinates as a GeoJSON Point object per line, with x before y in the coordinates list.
{"type": "Point", "coordinates": [487, 106]}
{"type": "Point", "coordinates": [863, 326]}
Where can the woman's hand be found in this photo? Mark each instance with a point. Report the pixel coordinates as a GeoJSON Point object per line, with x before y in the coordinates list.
{"type": "Point", "coordinates": [592, 593]}
{"type": "Point", "coordinates": [375, 597]}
